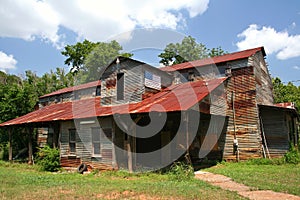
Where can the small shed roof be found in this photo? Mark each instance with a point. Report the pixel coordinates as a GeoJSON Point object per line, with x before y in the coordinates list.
{"type": "Point", "coordinates": [174, 98]}
{"type": "Point", "coordinates": [74, 88]}
{"type": "Point", "coordinates": [214, 60]}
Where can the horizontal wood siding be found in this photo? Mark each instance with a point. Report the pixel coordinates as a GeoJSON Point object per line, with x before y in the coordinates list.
{"type": "Point", "coordinates": [84, 145]}
{"type": "Point", "coordinates": [133, 84]}
{"type": "Point", "coordinates": [275, 130]}
{"type": "Point", "coordinates": [247, 130]}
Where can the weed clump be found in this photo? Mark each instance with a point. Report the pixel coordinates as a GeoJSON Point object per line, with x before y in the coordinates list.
{"type": "Point", "coordinates": [180, 171]}
{"type": "Point", "coordinates": [292, 156]}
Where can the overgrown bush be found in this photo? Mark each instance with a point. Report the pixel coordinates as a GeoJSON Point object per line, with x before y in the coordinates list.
{"type": "Point", "coordinates": [292, 156]}
{"type": "Point", "coordinates": [180, 171]}
{"type": "Point", "coordinates": [48, 159]}
{"type": "Point", "coordinates": [4, 151]}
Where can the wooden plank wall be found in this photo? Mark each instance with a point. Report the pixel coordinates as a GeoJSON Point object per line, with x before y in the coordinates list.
{"type": "Point", "coordinates": [133, 86]}
{"type": "Point", "coordinates": [243, 84]}
{"type": "Point", "coordinates": [264, 88]}
{"type": "Point", "coordinates": [276, 131]}
{"type": "Point", "coordinates": [84, 145]}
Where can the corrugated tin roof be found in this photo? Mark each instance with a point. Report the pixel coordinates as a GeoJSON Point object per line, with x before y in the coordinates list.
{"type": "Point", "coordinates": [74, 88]}
{"type": "Point", "coordinates": [214, 60]}
{"type": "Point", "coordinates": [174, 98]}
{"type": "Point", "coordinates": [285, 105]}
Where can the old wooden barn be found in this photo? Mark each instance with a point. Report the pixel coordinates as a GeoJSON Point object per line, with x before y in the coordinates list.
{"type": "Point", "coordinates": [137, 116]}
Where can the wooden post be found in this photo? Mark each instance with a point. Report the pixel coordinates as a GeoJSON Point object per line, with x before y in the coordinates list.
{"type": "Point", "coordinates": [129, 154]}
{"type": "Point", "coordinates": [55, 135]}
{"type": "Point", "coordinates": [186, 124]}
{"type": "Point", "coordinates": [10, 144]}
{"type": "Point", "coordinates": [29, 132]}
{"type": "Point", "coordinates": [113, 138]}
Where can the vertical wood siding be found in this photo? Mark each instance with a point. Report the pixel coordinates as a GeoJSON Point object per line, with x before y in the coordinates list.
{"type": "Point", "coordinates": [264, 88]}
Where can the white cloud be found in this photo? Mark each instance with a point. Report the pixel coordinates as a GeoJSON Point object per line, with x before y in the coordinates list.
{"type": "Point", "coordinates": [7, 62]}
{"type": "Point", "coordinates": [28, 19]}
{"type": "Point", "coordinates": [96, 20]}
{"type": "Point", "coordinates": [285, 46]}
{"type": "Point", "coordinates": [296, 67]}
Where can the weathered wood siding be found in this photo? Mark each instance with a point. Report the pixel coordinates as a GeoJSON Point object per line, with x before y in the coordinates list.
{"type": "Point", "coordinates": [84, 148]}
{"type": "Point", "coordinates": [133, 87]}
{"type": "Point", "coordinates": [68, 96]}
{"type": "Point", "coordinates": [134, 81]}
{"type": "Point", "coordinates": [242, 87]}
{"type": "Point", "coordinates": [264, 88]}
{"type": "Point", "coordinates": [276, 131]}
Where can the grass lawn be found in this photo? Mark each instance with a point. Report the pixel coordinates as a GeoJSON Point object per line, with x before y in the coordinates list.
{"type": "Point", "coordinates": [20, 181]}
{"type": "Point", "coordinates": [280, 178]}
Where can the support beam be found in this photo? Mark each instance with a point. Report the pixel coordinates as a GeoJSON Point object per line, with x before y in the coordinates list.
{"type": "Point", "coordinates": [114, 159]}
{"type": "Point", "coordinates": [29, 132]}
{"type": "Point", "coordinates": [10, 156]}
{"type": "Point", "coordinates": [129, 154]}
{"type": "Point", "coordinates": [55, 135]}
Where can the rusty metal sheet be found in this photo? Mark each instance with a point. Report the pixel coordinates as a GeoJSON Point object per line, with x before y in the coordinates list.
{"type": "Point", "coordinates": [214, 60]}
{"type": "Point", "coordinates": [176, 98]}
{"type": "Point", "coordinates": [74, 88]}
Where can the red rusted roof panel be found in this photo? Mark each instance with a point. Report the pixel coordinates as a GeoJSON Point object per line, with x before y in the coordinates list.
{"type": "Point", "coordinates": [176, 98]}
{"type": "Point", "coordinates": [290, 105]}
{"type": "Point", "coordinates": [74, 88]}
{"type": "Point", "coordinates": [214, 60]}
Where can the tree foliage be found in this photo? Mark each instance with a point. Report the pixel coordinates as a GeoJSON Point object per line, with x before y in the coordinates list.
{"type": "Point", "coordinates": [87, 58]}
{"type": "Point", "coordinates": [19, 96]}
{"type": "Point", "coordinates": [77, 53]}
{"type": "Point", "coordinates": [187, 50]}
{"type": "Point", "coordinates": [286, 93]}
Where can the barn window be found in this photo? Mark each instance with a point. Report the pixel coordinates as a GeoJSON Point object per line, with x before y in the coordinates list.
{"type": "Point", "coordinates": [98, 90]}
{"type": "Point", "coordinates": [96, 138]}
{"type": "Point", "coordinates": [72, 141]}
{"type": "Point", "coordinates": [120, 86]}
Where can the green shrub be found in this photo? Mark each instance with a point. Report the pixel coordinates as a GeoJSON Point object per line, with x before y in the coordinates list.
{"type": "Point", "coordinates": [48, 159]}
{"type": "Point", "coordinates": [180, 171]}
{"type": "Point", "coordinates": [4, 151]}
{"type": "Point", "coordinates": [292, 156]}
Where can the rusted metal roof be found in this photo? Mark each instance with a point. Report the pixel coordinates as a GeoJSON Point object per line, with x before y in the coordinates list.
{"type": "Point", "coordinates": [74, 88]}
{"type": "Point", "coordinates": [290, 105]}
{"type": "Point", "coordinates": [174, 98]}
{"type": "Point", "coordinates": [214, 60]}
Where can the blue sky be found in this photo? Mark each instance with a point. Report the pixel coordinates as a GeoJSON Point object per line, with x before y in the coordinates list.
{"type": "Point", "coordinates": [33, 32]}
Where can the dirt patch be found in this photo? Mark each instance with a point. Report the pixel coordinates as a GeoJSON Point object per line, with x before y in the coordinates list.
{"type": "Point", "coordinates": [227, 183]}
{"type": "Point", "coordinates": [129, 195]}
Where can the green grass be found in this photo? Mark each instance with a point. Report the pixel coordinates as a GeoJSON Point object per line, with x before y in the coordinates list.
{"type": "Point", "coordinates": [20, 181]}
{"type": "Point", "coordinates": [280, 178]}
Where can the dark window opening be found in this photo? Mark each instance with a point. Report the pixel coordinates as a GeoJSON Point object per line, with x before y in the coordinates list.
{"type": "Point", "coordinates": [72, 140]}
{"type": "Point", "coordinates": [98, 91]}
{"type": "Point", "coordinates": [96, 138]}
{"type": "Point", "coordinates": [120, 86]}
{"type": "Point", "coordinates": [191, 76]}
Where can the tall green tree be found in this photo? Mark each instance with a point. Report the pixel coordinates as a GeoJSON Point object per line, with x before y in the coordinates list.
{"type": "Point", "coordinates": [77, 53]}
{"type": "Point", "coordinates": [286, 92]}
{"type": "Point", "coordinates": [87, 58]}
{"type": "Point", "coordinates": [19, 96]}
{"type": "Point", "coordinates": [187, 50]}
